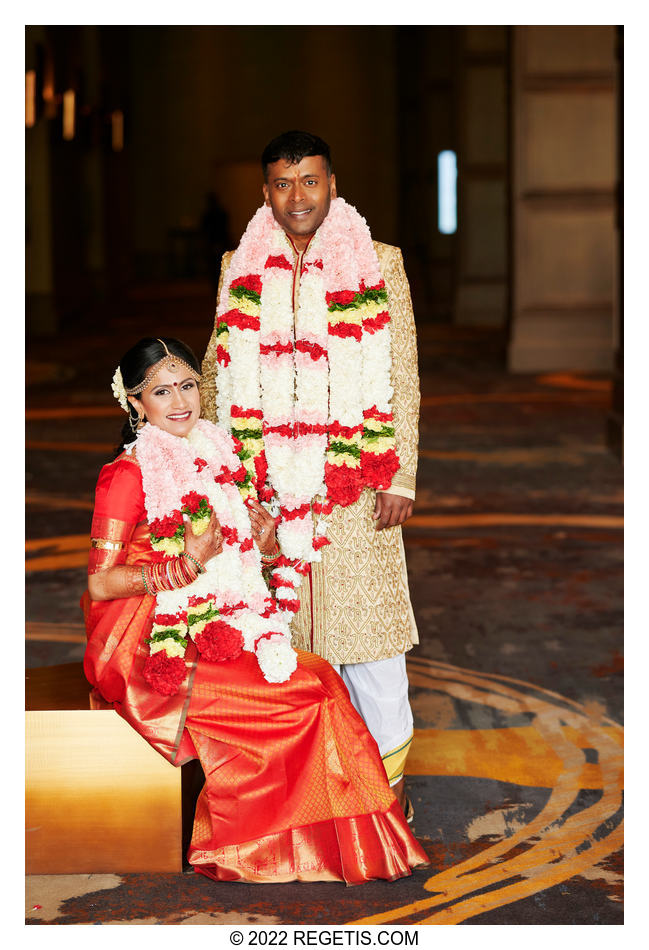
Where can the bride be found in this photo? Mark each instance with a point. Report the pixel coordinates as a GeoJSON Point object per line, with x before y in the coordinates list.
{"type": "Point", "coordinates": [187, 614]}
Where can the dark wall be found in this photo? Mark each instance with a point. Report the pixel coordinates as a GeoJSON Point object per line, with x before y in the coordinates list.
{"type": "Point", "coordinates": [199, 104]}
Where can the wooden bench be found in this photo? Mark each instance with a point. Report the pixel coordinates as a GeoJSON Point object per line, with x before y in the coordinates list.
{"type": "Point", "coordinates": [98, 797]}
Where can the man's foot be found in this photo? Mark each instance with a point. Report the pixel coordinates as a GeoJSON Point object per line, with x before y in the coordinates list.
{"type": "Point", "coordinates": [404, 802]}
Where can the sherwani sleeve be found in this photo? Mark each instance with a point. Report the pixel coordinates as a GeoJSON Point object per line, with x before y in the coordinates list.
{"type": "Point", "coordinates": [210, 364]}
{"type": "Point", "coordinates": [405, 374]}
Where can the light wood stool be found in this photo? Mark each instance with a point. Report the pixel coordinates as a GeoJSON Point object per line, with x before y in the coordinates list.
{"type": "Point", "coordinates": [98, 797]}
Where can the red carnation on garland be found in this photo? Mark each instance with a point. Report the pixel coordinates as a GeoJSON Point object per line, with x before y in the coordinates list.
{"type": "Point", "coordinates": [378, 470]}
{"type": "Point", "coordinates": [200, 464]}
{"type": "Point", "coordinates": [224, 477]}
{"type": "Point", "coordinates": [246, 545]}
{"type": "Point", "coordinates": [192, 502]}
{"type": "Point", "coordinates": [222, 355]}
{"type": "Point", "coordinates": [239, 412]}
{"type": "Point", "coordinates": [163, 673]}
{"type": "Point", "coordinates": [320, 542]}
{"type": "Point", "coordinates": [278, 260]}
{"type": "Point", "coordinates": [169, 620]}
{"type": "Point", "coordinates": [343, 297]}
{"type": "Point", "coordinates": [237, 444]}
{"type": "Point", "coordinates": [167, 526]}
{"type": "Point", "coordinates": [344, 484]}
{"type": "Point", "coordinates": [249, 281]}
{"type": "Point", "coordinates": [265, 493]}
{"type": "Point", "coordinates": [344, 330]}
{"type": "Point", "coordinates": [261, 468]}
{"type": "Point", "coordinates": [291, 605]}
{"type": "Point", "coordinates": [244, 321]}
{"type": "Point", "coordinates": [363, 286]}
{"type": "Point", "coordinates": [230, 535]}
{"type": "Point", "coordinates": [219, 641]}
{"type": "Point", "coordinates": [372, 324]}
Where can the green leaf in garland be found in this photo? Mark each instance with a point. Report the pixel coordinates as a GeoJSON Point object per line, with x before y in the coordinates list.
{"type": "Point", "coordinates": [369, 435]}
{"type": "Point", "coordinates": [345, 306]}
{"type": "Point", "coordinates": [342, 448]}
{"type": "Point", "coordinates": [372, 294]}
{"type": "Point", "coordinates": [167, 634]}
{"type": "Point", "coordinates": [242, 293]}
{"type": "Point", "coordinates": [207, 615]}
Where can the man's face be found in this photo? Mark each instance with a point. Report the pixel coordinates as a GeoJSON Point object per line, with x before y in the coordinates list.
{"type": "Point", "coordinates": [300, 196]}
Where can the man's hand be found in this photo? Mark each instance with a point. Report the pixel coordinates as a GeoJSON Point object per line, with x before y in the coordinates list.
{"type": "Point", "coordinates": [391, 510]}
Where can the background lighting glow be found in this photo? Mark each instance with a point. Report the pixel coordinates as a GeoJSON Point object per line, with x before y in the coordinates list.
{"type": "Point", "coordinates": [447, 192]}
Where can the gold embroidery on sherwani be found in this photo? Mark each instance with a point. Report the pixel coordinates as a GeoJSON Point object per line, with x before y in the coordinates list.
{"type": "Point", "coordinates": [405, 374]}
{"type": "Point", "coordinates": [358, 595]}
{"type": "Point", "coordinates": [355, 607]}
{"type": "Point", "coordinates": [210, 364]}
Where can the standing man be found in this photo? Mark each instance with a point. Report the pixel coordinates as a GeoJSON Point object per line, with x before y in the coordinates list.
{"type": "Point", "coordinates": [313, 366]}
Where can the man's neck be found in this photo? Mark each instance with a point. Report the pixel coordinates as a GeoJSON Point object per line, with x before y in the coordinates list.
{"type": "Point", "coordinates": [299, 242]}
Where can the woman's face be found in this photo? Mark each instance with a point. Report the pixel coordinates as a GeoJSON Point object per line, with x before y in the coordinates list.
{"type": "Point", "coordinates": [172, 401]}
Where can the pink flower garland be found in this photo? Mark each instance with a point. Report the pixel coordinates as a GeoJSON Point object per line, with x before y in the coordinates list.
{"type": "Point", "coordinates": [337, 358]}
{"type": "Point", "coordinates": [197, 475]}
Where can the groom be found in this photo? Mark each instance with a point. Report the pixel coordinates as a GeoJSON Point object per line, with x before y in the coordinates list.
{"type": "Point", "coordinates": [354, 603]}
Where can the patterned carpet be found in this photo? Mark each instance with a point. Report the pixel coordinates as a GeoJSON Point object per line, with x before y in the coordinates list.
{"type": "Point", "coordinates": [515, 563]}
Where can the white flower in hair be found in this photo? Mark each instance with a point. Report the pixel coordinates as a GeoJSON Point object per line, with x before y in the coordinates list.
{"type": "Point", "coordinates": [119, 392]}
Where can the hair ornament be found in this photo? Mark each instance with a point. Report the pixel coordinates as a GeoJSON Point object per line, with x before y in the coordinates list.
{"type": "Point", "coordinates": [119, 391]}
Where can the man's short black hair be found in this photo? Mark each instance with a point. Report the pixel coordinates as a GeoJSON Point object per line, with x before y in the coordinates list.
{"type": "Point", "coordinates": [293, 147]}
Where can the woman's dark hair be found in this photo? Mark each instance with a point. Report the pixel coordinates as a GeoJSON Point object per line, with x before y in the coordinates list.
{"type": "Point", "coordinates": [293, 147]}
{"type": "Point", "coordinates": [135, 364]}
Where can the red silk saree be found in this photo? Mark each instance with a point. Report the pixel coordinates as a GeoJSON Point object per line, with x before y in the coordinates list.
{"type": "Point", "coordinates": [295, 788]}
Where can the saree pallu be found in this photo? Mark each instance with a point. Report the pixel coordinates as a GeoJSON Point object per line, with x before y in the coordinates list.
{"type": "Point", "coordinates": [294, 784]}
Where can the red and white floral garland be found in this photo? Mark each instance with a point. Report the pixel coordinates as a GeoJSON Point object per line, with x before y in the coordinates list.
{"type": "Point", "coordinates": [308, 393]}
{"type": "Point", "coordinates": [228, 608]}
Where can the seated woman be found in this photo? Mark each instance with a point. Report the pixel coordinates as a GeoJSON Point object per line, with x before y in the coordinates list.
{"type": "Point", "coordinates": [189, 645]}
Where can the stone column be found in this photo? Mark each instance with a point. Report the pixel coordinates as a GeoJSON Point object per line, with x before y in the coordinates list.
{"type": "Point", "coordinates": [482, 269]}
{"type": "Point", "coordinates": [563, 198]}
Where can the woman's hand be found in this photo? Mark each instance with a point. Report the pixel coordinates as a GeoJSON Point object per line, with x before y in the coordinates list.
{"type": "Point", "coordinates": [263, 527]}
{"type": "Point", "coordinates": [208, 545]}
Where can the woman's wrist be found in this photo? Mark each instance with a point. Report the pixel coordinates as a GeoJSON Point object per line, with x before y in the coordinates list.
{"type": "Point", "coordinates": [172, 574]}
{"type": "Point", "coordinates": [200, 567]}
{"type": "Point", "coordinates": [272, 555]}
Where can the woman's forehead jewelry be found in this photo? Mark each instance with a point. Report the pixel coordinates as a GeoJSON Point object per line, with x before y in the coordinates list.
{"type": "Point", "coordinates": [173, 363]}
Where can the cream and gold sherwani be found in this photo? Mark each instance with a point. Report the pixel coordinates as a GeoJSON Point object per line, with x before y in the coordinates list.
{"type": "Point", "coordinates": [355, 605]}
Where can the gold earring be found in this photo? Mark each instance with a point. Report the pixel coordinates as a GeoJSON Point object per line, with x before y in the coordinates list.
{"type": "Point", "coordinates": [135, 423]}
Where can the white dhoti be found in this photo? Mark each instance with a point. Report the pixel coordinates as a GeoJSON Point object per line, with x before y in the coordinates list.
{"type": "Point", "coordinates": [379, 693]}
